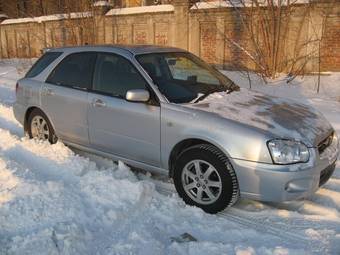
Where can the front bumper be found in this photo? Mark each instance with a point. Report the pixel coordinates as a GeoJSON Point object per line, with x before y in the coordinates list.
{"type": "Point", "coordinates": [278, 183]}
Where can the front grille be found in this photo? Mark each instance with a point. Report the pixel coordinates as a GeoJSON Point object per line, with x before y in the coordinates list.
{"type": "Point", "coordinates": [326, 174]}
{"type": "Point", "coordinates": [324, 144]}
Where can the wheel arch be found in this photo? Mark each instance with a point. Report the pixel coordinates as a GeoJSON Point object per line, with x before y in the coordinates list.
{"type": "Point", "coordinates": [184, 144]}
{"type": "Point", "coordinates": [29, 111]}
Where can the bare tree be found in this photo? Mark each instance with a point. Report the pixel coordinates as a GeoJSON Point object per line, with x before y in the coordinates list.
{"type": "Point", "coordinates": [268, 24]}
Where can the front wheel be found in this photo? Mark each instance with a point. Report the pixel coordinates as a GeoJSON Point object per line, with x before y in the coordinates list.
{"type": "Point", "coordinates": [39, 127]}
{"type": "Point", "coordinates": [205, 178]}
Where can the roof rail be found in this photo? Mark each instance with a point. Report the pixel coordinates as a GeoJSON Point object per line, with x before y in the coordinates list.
{"type": "Point", "coordinates": [44, 50]}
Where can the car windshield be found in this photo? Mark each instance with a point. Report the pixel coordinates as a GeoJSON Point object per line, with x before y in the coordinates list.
{"type": "Point", "coordinates": [182, 77]}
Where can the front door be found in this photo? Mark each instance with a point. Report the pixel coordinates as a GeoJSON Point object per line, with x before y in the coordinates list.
{"type": "Point", "coordinates": [127, 129]}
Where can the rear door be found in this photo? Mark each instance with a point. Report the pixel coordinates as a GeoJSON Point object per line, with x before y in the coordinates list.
{"type": "Point", "coordinates": [65, 96]}
{"type": "Point", "coordinates": [127, 129]}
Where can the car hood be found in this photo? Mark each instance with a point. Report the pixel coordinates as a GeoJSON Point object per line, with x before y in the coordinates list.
{"type": "Point", "coordinates": [282, 117]}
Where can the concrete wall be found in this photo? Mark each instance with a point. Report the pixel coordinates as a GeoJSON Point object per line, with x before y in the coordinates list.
{"type": "Point", "coordinates": [205, 32]}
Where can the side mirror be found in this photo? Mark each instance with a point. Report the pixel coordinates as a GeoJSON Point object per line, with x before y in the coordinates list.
{"type": "Point", "coordinates": [137, 95]}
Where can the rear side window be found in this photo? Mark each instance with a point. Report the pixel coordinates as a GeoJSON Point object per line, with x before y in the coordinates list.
{"type": "Point", "coordinates": [75, 70]}
{"type": "Point", "coordinates": [42, 63]}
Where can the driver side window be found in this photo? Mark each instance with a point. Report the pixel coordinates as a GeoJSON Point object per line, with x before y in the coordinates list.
{"type": "Point", "coordinates": [115, 75]}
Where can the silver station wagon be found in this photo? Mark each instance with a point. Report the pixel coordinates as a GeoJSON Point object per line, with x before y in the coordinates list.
{"type": "Point", "coordinates": [165, 110]}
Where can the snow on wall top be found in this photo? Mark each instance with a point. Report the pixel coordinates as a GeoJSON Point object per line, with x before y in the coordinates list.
{"type": "Point", "coordinates": [102, 3]}
{"type": "Point", "coordinates": [75, 15]}
{"type": "Point", "coordinates": [238, 3]}
{"type": "Point", "coordinates": [141, 9]}
{"type": "Point", "coordinates": [72, 15]}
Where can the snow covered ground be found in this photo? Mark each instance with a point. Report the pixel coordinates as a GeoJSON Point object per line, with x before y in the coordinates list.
{"type": "Point", "coordinates": [57, 201]}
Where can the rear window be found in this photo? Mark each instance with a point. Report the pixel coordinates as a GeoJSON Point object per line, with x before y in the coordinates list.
{"type": "Point", "coordinates": [42, 63]}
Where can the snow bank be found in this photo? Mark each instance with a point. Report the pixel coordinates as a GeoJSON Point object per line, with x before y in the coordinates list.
{"type": "Point", "coordinates": [57, 201]}
{"type": "Point", "coordinates": [302, 87]}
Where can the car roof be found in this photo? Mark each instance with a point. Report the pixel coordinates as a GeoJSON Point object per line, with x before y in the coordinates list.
{"type": "Point", "coordinates": [133, 49]}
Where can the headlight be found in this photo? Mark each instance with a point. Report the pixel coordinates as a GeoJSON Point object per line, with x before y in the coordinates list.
{"type": "Point", "coordinates": [336, 142]}
{"type": "Point", "coordinates": [288, 151]}
{"type": "Point", "coordinates": [335, 139]}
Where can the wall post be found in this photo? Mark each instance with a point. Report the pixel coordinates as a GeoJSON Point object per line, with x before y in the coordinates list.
{"type": "Point", "coordinates": [181, 24]}
{"type": "Point", "coordinates": [194, 34]}
{"type": "Point", "coordinates": [314, 34]}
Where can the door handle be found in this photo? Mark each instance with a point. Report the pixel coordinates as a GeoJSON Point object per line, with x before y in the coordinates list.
{"type": "Point", "coordinates": [48, 92]}
{"type": "Point", "coordinates": [98, 103]}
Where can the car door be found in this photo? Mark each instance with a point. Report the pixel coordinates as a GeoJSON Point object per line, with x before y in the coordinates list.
{"type": "Point", "coordinates": [64, 96]}
{"type": "Point", "coordinates": [127, 129]}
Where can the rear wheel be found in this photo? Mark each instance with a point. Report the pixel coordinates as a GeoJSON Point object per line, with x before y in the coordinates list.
{"type": "Point", "coordinates": [205, 178]}
{"type": "Point", "coordinates": [39, 127]}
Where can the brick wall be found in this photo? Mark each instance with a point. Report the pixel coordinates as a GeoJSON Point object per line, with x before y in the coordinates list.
{"type": "Point", "coordinates": [330, 49]}
{"type": "Point", "coordinates": [215, 34]}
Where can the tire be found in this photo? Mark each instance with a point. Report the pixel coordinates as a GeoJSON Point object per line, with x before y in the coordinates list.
{"type": "Point", "coordinates": [37, 116]}
{"type": "Point", "coordinates": [217, 177]}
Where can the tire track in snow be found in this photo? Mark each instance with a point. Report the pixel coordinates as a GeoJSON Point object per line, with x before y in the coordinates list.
{"type": "Point", "coordinates": [289, 231]}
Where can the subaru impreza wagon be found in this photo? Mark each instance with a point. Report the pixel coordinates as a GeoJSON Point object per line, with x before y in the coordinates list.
{"type": "Point", "coordinates": [165, 110]}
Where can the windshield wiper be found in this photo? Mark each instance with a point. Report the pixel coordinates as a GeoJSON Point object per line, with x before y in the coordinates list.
{"type": "Point", "coordinates": [232, 88]}
{"type": "Point", "coordinates": [210, 91]}
{"type": "Point", "coordinates": [200, 98]}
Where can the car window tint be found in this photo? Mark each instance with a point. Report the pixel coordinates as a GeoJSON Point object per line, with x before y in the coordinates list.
{"type": "Point", "coordinates": [185, 69]}
{"type": "Point", "coordinates": [116, 75]}
{"type": "Point", "coordinates": [151, 66]}
{"type": "Point", "coordinates": [75, 70]}
{"type": "Point", "coordinates": [42, 63]}
{"type": "Point", "coordinates": [182, 77]}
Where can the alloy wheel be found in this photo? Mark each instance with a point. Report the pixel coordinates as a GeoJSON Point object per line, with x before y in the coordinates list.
{"type": "Point", "coordinates": [39, 128]}
{"type": "Point", "coordinates": [201, 181]}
